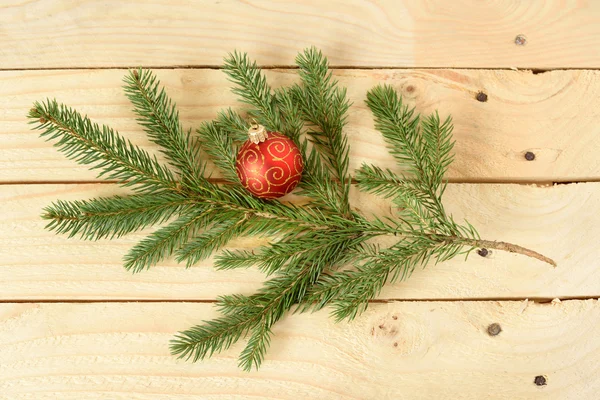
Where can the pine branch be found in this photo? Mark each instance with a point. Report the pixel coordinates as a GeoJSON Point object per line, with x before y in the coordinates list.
{"type": "Point", "coordinates": [281, 254]}
{"type": "Point", "coordinates": [113, 217]}
{"type": "Point", "coordinates": [423, 147]}
{"type": "Point", "coordinates": [290, 114]}
{"type": "Point", "coordinates": [89, 144]}
{"type": "Point", "coordinates": [316, 182]}
{"type": "Point", "coordinates": [202, 246]}
{"type": "Point", "coordinates": [350, 291]}
{"type": "Point", "coordinates": [160, 119]}
{"type": "Point", "coordinates": [259, 313]}
{"type": "Point", "coordinates": [320, 253]}
{"type": "Point", "coordinates": [324, 105]}
{"type": "Point", "coordinates": [438, 146]}
{"type": "Point", "coordinates": [252, 88]}
{"type": "Point", "coordinates": [219, 146]}
{"type": "Point", "coordinates": [400, 128]}
{"type": "Point", "coordinates": [233, 125]}
{"type": "Point", "coordinates": [416, 208]}
{"type": "Point", "coordinates": [165, 241]}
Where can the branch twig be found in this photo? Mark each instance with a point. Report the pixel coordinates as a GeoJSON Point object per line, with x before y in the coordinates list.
{"type": "Point", "coordinates": [511, 248]}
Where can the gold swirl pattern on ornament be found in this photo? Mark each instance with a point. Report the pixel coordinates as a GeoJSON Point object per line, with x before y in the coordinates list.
{"type": "Point", "coordinates": [273, 150]}
{"type": "Point", "coordinates": [270, 173]}
{"type": "Point", "coordinates": [252, 156]}
{"type": "Point", "coordinates": [298, 163]}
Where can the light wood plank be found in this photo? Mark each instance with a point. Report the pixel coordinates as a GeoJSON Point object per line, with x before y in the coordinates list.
{"type": "Point", "coordinates": [51, 34]}
{"type": "Point", "coordinates": [417, 351]}
{"type": "Point", "coordinates": [562, 222]}
{"type": "Point", "coordinates": [554, 115]}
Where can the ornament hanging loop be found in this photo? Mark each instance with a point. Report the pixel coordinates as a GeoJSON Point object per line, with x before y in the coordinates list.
{"type": "Point", "coordinates": [257, 133]}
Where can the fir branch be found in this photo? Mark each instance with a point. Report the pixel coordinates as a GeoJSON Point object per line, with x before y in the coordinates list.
{"type": "Point", "coordinates": [219, 146]}
{"type": "Point", "coordinates": [113, 217]}
{"type": "Point", "coordinates": [319, 253]}
{"type": "Point", "coordinates": [316, 183]}
{"type": "Point", "coordinates": [416, 208]}
{"type": "Point", "coordinates": [306, 216]}
{"type": "Point", "coordinates": [202, 246]}
{"type": "Point", "coordinates": [283, 253]}
{"type": "Point", "coordinates": [165, 241]}
{"type": "Point", "coordinates": [290, 114]}
{"type": "Point", "coordinates": [231, 304]}
{"type": "Point", "coordinates": [258, 344]}
{"type": "Point", "coordinates": [400, 128]}
{"type": "Point", "coordinates": [422, 147]}
{"type": "Point", "coordinates": [324, 105]}
{"type": "Point", "coordinates": [350, 291]}
{"type": "Point", "coordinates": [219, 334]}
{"type": "Point", "coordinates": [382, 182]}
{"type": "Point", "coordinates": [160, 119]}
{"type": "Point", "coordinates": [437, 137]}
{"type": "Point", "coordinates": [266, 259]}
{"type": "Point", "coordinates": [259, 314]}
{"type": "Point", "coordinates": [253, 89]}
{"type": "Point", "coordinates": [212, 336]}
{"type": "Point", "coordinates": [281, 111]}
{"type": "Point", "coordinates": [290, 287]}
{"type": "Point", "coordinates": [496, 245]}
{"type": "Point", "coordinates": [89, 144]}
{"type": "Point", "coordinates": [233, 125]}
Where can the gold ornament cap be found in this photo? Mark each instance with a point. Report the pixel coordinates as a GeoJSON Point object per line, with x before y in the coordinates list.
{"type": "Point", "coordinates": [257, 133]}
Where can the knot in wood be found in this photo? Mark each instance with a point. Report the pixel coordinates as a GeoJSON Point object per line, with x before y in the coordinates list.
{"type": "Point", "coordinates": [494, 329]}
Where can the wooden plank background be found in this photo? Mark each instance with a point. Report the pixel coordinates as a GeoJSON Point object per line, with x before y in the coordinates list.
{"type": "Point", "coordinates": [75, 325]}
{"type": "Point", "coordinates": [555, 115]}
{"type": "Point", "coordinates": [560, 221]}
{"type": "Point", "coordinates": [364, 33]}
{"type": "Point", "coordinates": [402, 351]}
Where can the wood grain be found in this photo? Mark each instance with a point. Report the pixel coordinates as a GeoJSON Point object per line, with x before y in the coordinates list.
{"type": "Point", "coordinates": [417, 351]}
{"type": "Point", "coordinates": [435, 348]}
{"type": "Point", "coordinates": [562, 222]}
{"type": "Point", "coordinates": [435, 33]}
{"type": "Point", "coordinates": [554, 115]}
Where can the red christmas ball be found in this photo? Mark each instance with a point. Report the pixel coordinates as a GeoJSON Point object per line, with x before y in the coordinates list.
{"type": "Point", "coordinates": [271, 168]}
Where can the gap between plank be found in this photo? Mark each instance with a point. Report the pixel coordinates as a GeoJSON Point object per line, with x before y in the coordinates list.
{"type": "Point", "coordinates": [539, 300]}
{"type": "Point", "coordinates": [474, 181]}
{"type": "Point", "coordinates": [534, 70]}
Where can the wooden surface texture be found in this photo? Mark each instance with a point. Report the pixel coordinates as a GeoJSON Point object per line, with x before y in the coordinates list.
{"type": "Point", "coordinates": [555, 115]}
{"type": "Point", "coordinates": [561, 221]}
{"type": "Point", "coordinates": [364, 33]}
{"type": "Point", "coordinates": [75, 325]}
{"type": "Point", "coordinates": [395, 351]}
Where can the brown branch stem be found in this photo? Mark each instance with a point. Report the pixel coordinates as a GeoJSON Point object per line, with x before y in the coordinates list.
{"type": "Point", "coordinates": [485, 244]}
{"type": "Point", "coordinates": [511, 248]}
